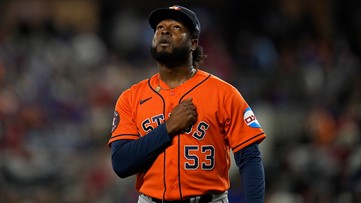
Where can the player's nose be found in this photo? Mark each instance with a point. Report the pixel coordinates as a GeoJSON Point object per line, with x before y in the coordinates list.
{"type": "Point", "coordinates": [166, 31]}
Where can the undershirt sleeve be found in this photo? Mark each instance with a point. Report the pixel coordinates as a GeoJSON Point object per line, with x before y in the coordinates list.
{"type": "Point", "coordinates": [132, 156]}
{"type": "Point", "coordinates": [249, 162]}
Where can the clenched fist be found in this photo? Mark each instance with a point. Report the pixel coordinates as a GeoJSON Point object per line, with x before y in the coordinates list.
{"type": "Point", "coordinates": [182, 117]}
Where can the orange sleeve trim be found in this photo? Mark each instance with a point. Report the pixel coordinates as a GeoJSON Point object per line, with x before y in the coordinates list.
{"type": "Point", "coordinates": [257, 138]}
{"type": "Point", "coordinates": [123, 137]}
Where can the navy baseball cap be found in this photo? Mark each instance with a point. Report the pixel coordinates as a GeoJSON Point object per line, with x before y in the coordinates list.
{"type": "Point", "coordinates": [183, 14]}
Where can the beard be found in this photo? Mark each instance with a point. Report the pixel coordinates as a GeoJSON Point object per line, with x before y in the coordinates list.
{"type": "Point", "coordinates": [179, 56]}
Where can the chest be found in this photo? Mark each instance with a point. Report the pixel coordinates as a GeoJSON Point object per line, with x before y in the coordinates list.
{"type": "Point", "coordinates": [155, 108]}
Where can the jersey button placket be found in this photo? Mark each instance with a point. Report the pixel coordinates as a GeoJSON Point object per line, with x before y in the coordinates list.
{"type": "Point", "coordinates": [172, 93]}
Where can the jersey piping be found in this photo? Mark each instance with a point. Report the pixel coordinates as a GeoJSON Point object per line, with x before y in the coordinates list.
{"type": "Point", "coordinates": [164, 155]}
{"type": "Point", "coordinates": [194, 87]}
{"type": "Point", "coordinates": [247, 141]}
{"type": "Point", "coordinates": [179, 140]}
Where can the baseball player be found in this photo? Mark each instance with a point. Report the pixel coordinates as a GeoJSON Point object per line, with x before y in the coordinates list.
{"type": "Point", "coordinates": [175, 130]}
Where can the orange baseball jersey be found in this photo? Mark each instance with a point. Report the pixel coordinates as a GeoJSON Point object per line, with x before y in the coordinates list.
{"type": "Point", "coordinates": [197, 161]}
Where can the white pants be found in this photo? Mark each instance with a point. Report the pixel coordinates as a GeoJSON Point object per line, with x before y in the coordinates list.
{"type": "Point", "coordinates": [217, 198]}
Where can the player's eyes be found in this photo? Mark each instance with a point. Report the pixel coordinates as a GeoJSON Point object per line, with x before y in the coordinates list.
{"type": "Point", "coordinates": [159, 27]}
{"type": "Point", "coordinates": [174, 27]}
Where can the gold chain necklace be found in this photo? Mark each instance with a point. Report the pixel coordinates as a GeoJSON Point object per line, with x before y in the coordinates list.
{"type": "Point", "coordinates": [159, 88]}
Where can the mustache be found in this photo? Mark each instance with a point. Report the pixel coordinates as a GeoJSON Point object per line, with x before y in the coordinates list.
{"type": "Point", "coordinates": [164, 40]}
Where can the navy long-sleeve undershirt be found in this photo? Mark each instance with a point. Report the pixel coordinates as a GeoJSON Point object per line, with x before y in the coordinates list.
{"type": "Point", "coordinates": [132, 156]}
{"type": "Point", "coordinates": [250, 164]}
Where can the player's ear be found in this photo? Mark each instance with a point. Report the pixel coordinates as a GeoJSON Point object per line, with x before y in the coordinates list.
{"type": "Point", "coordinates": [194, 44]}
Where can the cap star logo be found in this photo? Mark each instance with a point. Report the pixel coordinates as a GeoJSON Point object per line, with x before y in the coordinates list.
{"type": "Point", "coordinates": [175, 8]}
{"type": "Point", "coordinates": [197, 27]}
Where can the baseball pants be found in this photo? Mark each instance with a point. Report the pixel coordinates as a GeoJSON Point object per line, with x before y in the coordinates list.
{"type": "Point", "coordinates": [216, 198]}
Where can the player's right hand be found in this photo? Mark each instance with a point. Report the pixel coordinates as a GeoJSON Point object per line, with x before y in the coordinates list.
{"type": "Point", "coordinates": [183, 116]}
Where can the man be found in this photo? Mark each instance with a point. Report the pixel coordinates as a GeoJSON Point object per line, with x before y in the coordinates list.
{"type": "Point", "coordinates": [175, 129]}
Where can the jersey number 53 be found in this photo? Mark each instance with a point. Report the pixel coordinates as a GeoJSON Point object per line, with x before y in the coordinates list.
{"type": "Point", "coordinates": [191, 153]}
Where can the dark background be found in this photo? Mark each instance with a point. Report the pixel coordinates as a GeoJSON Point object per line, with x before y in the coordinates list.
{"type": "Point", "coordinates": [63, 64]}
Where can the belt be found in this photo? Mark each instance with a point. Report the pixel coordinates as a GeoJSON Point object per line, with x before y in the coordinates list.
{"type": "Point", "coordinates": [199, 199]}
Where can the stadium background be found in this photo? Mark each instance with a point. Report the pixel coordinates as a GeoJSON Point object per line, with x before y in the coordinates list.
{"type": "Point", "coordinates": [63, 63]}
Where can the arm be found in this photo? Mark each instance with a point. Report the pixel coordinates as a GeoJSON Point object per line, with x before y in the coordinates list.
{"type": "Point", "coordinates": [249, 162]}
{"type": "Point", "coordinates": [132, 156]}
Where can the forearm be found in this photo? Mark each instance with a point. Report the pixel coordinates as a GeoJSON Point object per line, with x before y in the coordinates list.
{"type": "Point", "coordinates": [132, 156]}
{"type": "Point", "coordinates": [250, 165]}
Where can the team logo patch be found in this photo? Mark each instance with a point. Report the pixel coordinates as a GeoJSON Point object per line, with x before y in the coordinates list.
{"type": "Point", "coordinates": [116, 119]}
{"type": "Point", "coordinates": [250, 119]}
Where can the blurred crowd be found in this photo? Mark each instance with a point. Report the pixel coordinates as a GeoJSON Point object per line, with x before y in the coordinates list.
{"type": "Point", "coordinates": [63, 64]}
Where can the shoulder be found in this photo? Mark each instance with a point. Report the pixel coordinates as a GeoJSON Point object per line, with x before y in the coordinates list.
{"type": "Point", "coordinates": [142, 85]}
{"type": "Point", "coordinates": [221, 89]}
{"type": "Point", "coordinates": [217, 83]}
{"type": "Point", "coordinates": [135, 89]}
{"type": "Point", "coordinates": [138, 86]}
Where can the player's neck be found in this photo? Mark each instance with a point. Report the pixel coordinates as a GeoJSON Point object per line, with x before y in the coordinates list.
{"type": "Point", "coordinates": [176, 76]}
